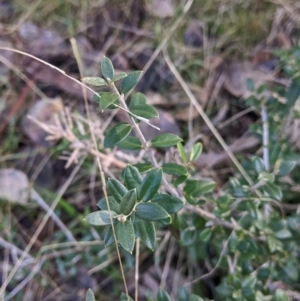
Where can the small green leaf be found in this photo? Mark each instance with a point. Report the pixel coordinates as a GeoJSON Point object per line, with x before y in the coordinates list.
{"type": "Point", "coordinates": [280, 295]}
{"type": "Point", "coordinates": [196, 151]}
{"type": "Point", "coordinates": [194, 297]}
{"type": "Point", "coordinates": [108, 237]}
{"type": "Point", "coordinates": [266, 176]}
{"type": "Point", "coordinates": [145, 111]}
{"type": "Point", "coordinates": [286, 167]}
{"type": "Point", "coordinates": [188, 236]}
{"type": "Point", "coordinates": [124, 297]}
{"type": "Point", "coordinates": [258, 164]}
{"type": "Point", "coordinates": [162, 295]}
{"type": "Point", "coordinates": [150, 185]}
{"type": "Point", "coordinates": [128, 202]}
{"type": "Point", "coordinates": [182, 152]}
{"type": "Point", "coordinates": [125, 235]}
{"type": "Point", "coordinates": [195, 188]}
{"type": "Point", "coordinates": [272, 191]}
{"type": "Point", "coordinates": [137, 100]}
{"type": "Point", "coordinates": [117, 189]}
{"type": "Point", "coordinates": [113, 204]}
{"type": "Point", "coordinates": [107, 99]}
{"type": "Point", "coordinates": [119, 76]}
{"type": "Point", "coordinates": [170, 203]}
{"type": "Point", "coordinates": [283, 234]}
{"type": "Point", "coordinates": [165, 140]}
{"type": "Point", "coordinates": [132, 177]}
{"type": "Point", "coordinates": [179, 180]}
{"type": "Point", "coordinates": [250, 85]}
{"type": "Point", "coordinates": [293, 92]}
{"type": "Point", "coordinates": [150, 212]}
{"type": "Point", "coordinates": [130, 143]}
{"type": "Point", "coordinates": [130, 81]}
{"type": "Point", "coordinates": [143, 167]}
{"type": "Point", "coordinates": [107, 69]}
{"type": "Point", "coordinates": [89, 296]}
{"type": "Point", "coordinates": [146, 231]}
{"type": "Point", "coordinates": [174, 169]}
{"type": "Point", "coordinates": [205, 235]}
{"type": "Point", "coordinates": [117, 134]}
{"type": "Point", "coordinates": [100, 218]}
{"type": "Point", "coordinates": [94, 81]}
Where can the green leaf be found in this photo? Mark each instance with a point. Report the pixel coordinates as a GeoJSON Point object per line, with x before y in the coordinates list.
{"type": "Point", "coordinates": [195, 188]}
{"type": "Point", "coordinates": [108, 237]}
{"type": "Point", "coordinates": [162, 295]}
{"type": "Point", "coordinates": [181, 152]}
{"type": "Point", "coordinates": [115, 135]}
{"type": "Point", "coordinates": [205, 235]}
{"type": "Point", "coordinates": [146, 231]}
{"type": "Point", "coordinates": [94, 81]}
{"type": "Point", "coordinates": [113, 204]}
{"type": "Point", "coordinates": [196, 151]}
{"type": "Point", "coordinates": [143, 167]}
{"type": "Point", "coordinates": [89, 296]}
{"type": "Point", "coordinates": [272, 191]}
{"type": "Point", "coordinates": [250, 84]}
{"type": "Point", "coordinates": [107, 99]}
{"type": "Point", "coordinates": [132, 177]}
{"type": "Point", "coordinates": [107, 69]}
{"type": "Point", "coordinates": [100, 218]}
{"type": "Point", "coordinates": [137, 100]}
{"type": "Point", "coordinates": [125, 298]}
{"type": "Point", "coordinates": [188, 236]}
{"type": "Point", "coordinates": [165, 140]}
{"type": "Point", "coordinates": [145, 111]}
{"type": "Point", "coordinates": [150, 185]}
{"type": "Point", "coordinates": [130, 81]}
{"type": "Point", "coordinates": [119, 76]}
{"type": "Point", "coordinates": [293, 92]}
{"type": "Point", "coordinates": [266, 176]}
{"type": "Point", "coordinates": [286, 167]}
{"type": "Point", "coordinates": [130, 143]}
{"type": "Point", "coordinates": [128, 202]}
{"type": "Point", "coordinates": [182, 295]}
{"type": "Point", "coordinates": [150, 212]}
{"type": "Point", "coordinates": [179, 180]}
{"type": "Point", "coordinates": [117, 189]}
{"type": "Point", "coordinates": [280, 295]}
{"type": "Point", "coordinates": [125, 235]}
{"type": "Point", "coordinates": [258, 164]}
{"type": "Point", "coordinates": [170, 203]}
{"type": "Point", "coordinates": [283, 234]}
{"type": "Point", "coordinates": [174, 169]}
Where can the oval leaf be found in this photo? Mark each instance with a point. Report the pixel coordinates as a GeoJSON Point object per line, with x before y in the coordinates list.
{"type": "Point", "coordinates": [113, 204]}
{"type": "Point", "coordinates": [181, 152]}
{"type": "Point", "coordinates": [117, 189]}
{"type": "Point", "coordinates": [205, 235]}
{"type": "Point", "coordinates": [143, 167]}
{"type": "Point", "coordinates": [146, 231]}
{"type": "Point", "coordinates": [137, 99]}
{"type": "Point", "coordinates": [196, 151]}
{"type": "Point", "coordinates": [150, 212]}
{"type": "Point", "coordinates": [170, 203]}
{"type": "Point", "coordinates": [94, 81]}
{"type": "Point", "coordinates": [165, 140]}
{"type": "Point", "coordinates": [107, 69]}
{"type": "Point", "coordinates": [195, 188]}
{"type": "Point", "coordinates": [150, 185]}
{"type": "Point", "coordinates": [89, 296]}
{"type": "Point", "coordinates": [162, 295]}
{"type": "Point", "coordinates": [132, 177]}
{"type": "Point", "coordinates": [100, 218]}
{"type": "Point", "coordinates": [272, 191]}
{"type": "Point", "coordinates": [107, 99]}
{"type": "Point", "coordinates": [286, 167]}
{"type": "Point", "coordinates": [128, 202]}
{"type": "Point", "coordinates": [130, 81]}
{"type": "Point", "coordinates": [116, 134]}
{"type": "Point", "coordinates": [145, 111]}
{"type": "Point", "coordinates": [125, 235]}
{"type": "Point", "coordinates": [174, 169]}
{"type": "Point", "coordinates": [130, 143]}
